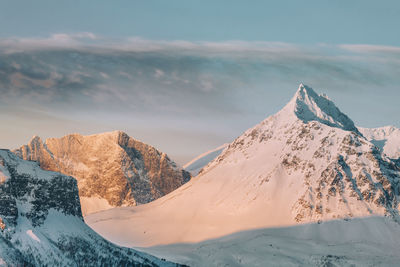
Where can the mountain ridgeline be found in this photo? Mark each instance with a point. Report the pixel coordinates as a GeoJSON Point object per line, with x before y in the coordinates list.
{"type": "Point", "coordinates": [112, 169]}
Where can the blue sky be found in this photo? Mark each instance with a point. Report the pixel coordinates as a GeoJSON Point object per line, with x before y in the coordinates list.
{"type": "Point", "coordinates": [304, 22]}
{"type": "Point", "coordinates": [186, 76]}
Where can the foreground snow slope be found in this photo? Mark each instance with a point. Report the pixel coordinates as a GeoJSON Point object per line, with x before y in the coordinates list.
{"type": "Point", "coordinates": [41, 222]}
{"type": "Point", "coordinates": [373, 241]}
{"type": "Point", "coordinates": [112, 168]}
{"type": "Point", "coordinates": [197, 164]}
{"type": "Point", "coordinates": [307, 163]}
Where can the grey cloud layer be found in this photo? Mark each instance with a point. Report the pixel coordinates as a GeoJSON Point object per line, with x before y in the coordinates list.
{"type": "Point", "coordinates": [179, 76]}
{"type": "Point", "coordinates": [183, 97]}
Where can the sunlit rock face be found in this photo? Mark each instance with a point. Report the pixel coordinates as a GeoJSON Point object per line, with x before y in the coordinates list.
{"type": "Point", "coordinates": [112, 169]}
{"type": "Point", "coordinates": [41, 223]}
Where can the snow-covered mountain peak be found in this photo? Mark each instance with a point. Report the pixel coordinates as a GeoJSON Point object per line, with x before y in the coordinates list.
{"type": "Point", "coordinates": [308, 106]}
{"type": "Point", "coordinates": [307, 163]}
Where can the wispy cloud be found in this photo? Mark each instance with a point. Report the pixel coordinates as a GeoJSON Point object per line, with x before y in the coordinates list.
{"type": "Point", "coordinates": [217, 88]}
{"type": "Point", "coordinates": [136, 44]}
{"type": "Point", "coordinates": [364, 48]}
{"type": "Point", "coordinates": [85, 69]}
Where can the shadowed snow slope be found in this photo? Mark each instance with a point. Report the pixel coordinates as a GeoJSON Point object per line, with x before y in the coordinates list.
{"type": "Point", "coordinates": [309, 106]}
{"type": "Point", "coordinates": [41, 222]}
{"type": "Point", "coordinates": [372, 241]}
{"type": "Point", "coordinates": [112, 168]}
{"type": "Point", "coordinates": [307, 163]}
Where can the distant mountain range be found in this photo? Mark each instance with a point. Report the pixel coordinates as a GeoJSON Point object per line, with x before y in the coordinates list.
{"type": "Point", "coordinates": [112, 169]}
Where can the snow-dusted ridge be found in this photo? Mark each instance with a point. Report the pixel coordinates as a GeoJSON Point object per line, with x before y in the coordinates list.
{"type": "Point", "coordinates": [306, 164]}
{"type": "Point", "coordinates": [386, 138]}
{"type": "Point", "coordinates": [308, 106]}
{"type": "Point", "coordinates": [198, 163]}
{"type": "Point", "coordinates": [41, 223]}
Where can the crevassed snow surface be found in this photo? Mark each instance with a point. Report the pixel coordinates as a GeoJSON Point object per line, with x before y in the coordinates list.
{"type": "Point", "coordinates": [305, 164]}
{"type": "Point", "coordinates": [197, 164]}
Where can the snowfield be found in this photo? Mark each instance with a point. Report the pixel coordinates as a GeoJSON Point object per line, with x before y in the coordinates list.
{"type": "Point", "coordinates": [373, 241]}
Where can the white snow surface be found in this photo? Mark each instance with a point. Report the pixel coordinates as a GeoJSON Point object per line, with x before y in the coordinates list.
{"type": "Point", "coordinates": [197, 164]}
{"type": "Point", "coordinates": [309, 106]}
{"type": "Point", "coordinates": [333, 243]}
{"type": "Point", "coordinates": [276, 174]}
{"type": "Point", "coordinates": [386, 138]}
{"type": "Point", "coordinates": [94, 204]}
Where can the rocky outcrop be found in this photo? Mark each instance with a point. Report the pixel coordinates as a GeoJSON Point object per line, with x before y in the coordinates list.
{"type": "Point", "coordinates": [112, 169]}
{"type": "Point", "coordinates": [42, 223]}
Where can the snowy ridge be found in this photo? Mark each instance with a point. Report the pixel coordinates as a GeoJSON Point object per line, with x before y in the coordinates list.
{"type": "Point", "coordinates": [41, 222]}
{"type": "Point", "coordinates": [195, 165]}
{"type": "Point", "coordinates": [386, 138]}
{"type": "Point", "coordinates": [308, 106]}
{"type": "Point", "coordinates": [305, 164]}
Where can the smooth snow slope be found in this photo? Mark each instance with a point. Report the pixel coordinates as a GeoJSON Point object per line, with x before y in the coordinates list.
{"type": "Point", "coordinates": [197, 164]}
{"type": "Point", "coordinates": [307, 163]}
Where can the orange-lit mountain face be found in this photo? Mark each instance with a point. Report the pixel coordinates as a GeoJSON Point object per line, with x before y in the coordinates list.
{"type": "Point", "coordinates": [112, 169]}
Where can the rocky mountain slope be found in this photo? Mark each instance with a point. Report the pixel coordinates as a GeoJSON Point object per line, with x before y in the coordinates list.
{"type": "Point", "coordinates": [307, 163]}
{"type": "Point", "coordinates": [197, 164]}
{"type": "Point", "coordinates": [112, 169]}
{"type": "Point", "coordinates": [41, 222]}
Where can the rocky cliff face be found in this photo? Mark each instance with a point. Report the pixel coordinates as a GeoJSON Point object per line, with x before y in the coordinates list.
{"type": "Point", "coordinates": [112, 169]}
{"type": "Point", "coordinates": [41, 222]}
